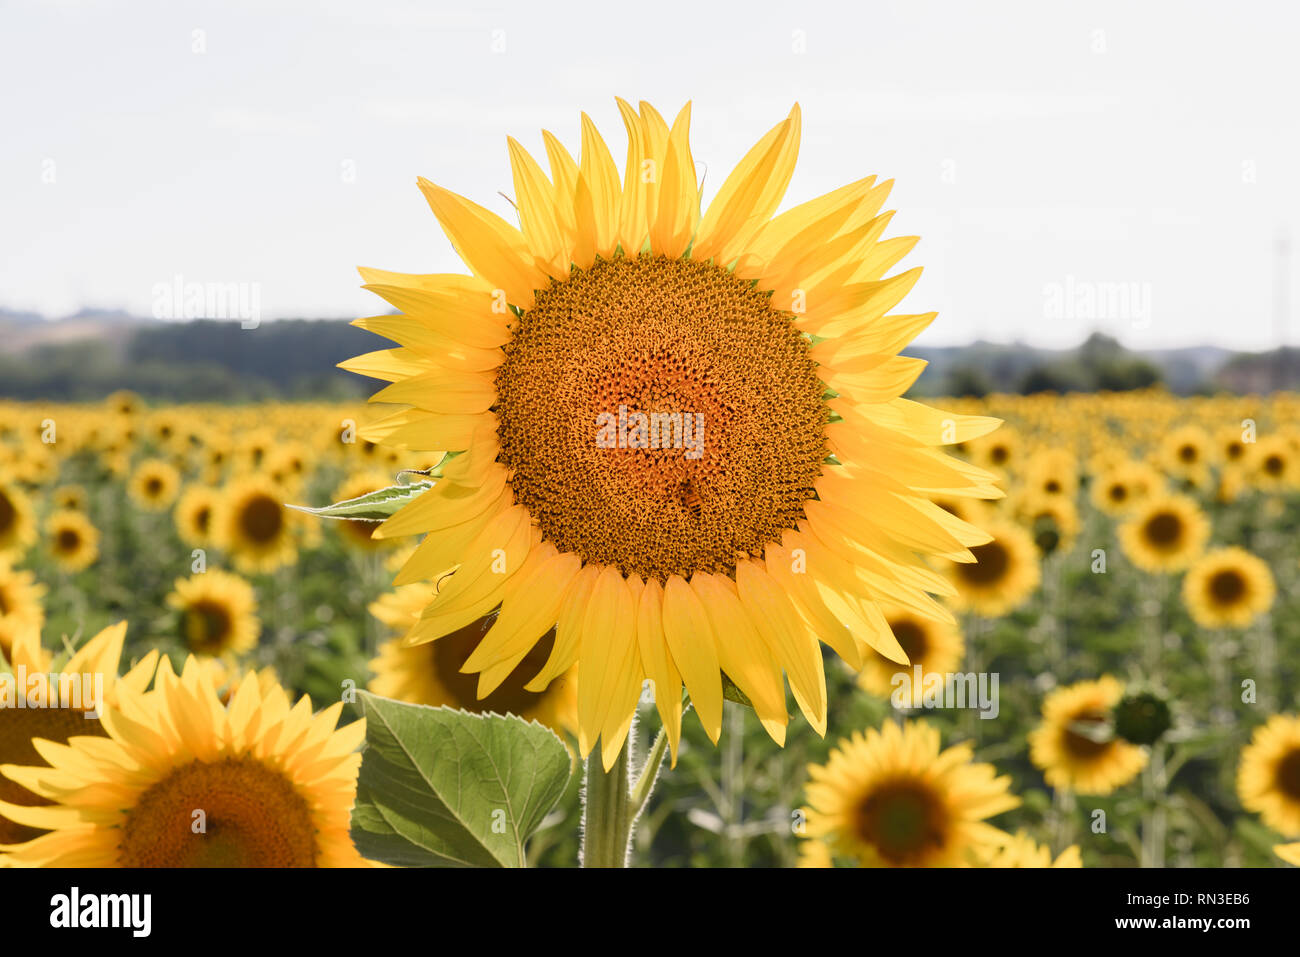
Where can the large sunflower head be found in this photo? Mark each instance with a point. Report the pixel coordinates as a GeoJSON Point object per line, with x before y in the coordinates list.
{"type": "Point", "coordinates": [57, 709]}
{"type": "Point", "coordinates": [1268, 778]}
{"type": "Point", "coordinates": [1004, 574]}
{"type": "Point", "coordinates": [73, 540]}
{"type": "Point", "coordinates": [678, 439]}
{"type": "Point", "coordinates": [187, 781]}
{"type": "Point", "coordinates": [1165, 534]}
{"type": "Point", "coordinates": [1075, 745]}
{"type": "Point", "coordinates": [218, 613]}
{"type": "Point", "coordinates": [434, 673]}
{"type": "Point", "coordinates": [1228, 587]}
{"type": "Point", "coordinates": [891, 798]}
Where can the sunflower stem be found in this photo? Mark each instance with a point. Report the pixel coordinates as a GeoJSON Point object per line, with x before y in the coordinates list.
{"type": "Point", "coordinates": [645, 783]}
{"type": "Point", "coordinates": [607, 812]}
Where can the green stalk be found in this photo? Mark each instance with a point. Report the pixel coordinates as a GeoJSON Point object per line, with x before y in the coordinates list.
{"type": "Point", "coordinates": [606, 811]}
{"type": "Point", "coordinates": [611, 805]}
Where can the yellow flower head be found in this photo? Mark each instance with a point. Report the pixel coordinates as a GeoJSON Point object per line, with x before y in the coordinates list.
{"type": "Point", "coordinates": [55, 710]}
{"type": "Point", "coordinates": [273, 783]}
{"type": "Point", "coordinates": [434, 673]}
{"type": "Point", "coordinates": [1003, 576]}
{"type": "Point", "coordinates": [1268, 778]}
{"type": "Point", "coordinates": [679, 439]}
{"type": "Point", "coordinates": [218, 613]}
{"type": "Point", "coordinates": [154, 484]}
{"type": "Point", "coordinates": [891, 798]}
{"type": "Point", "coordinates": [1073, 746]}
{"type": "Point", "coordinates": [73, 540]}
{"type": "Point", "coordinates": [1228, 587]}
{"type": "Point", "coordinates": [1165, 534]}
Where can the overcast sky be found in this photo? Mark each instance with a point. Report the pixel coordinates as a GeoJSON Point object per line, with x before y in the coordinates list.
{"type": "Point", "coordinates": [1127, 167]}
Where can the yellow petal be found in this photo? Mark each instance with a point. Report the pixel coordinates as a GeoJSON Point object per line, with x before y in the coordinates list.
{"type": "Point", "coordinates": [691, 642]}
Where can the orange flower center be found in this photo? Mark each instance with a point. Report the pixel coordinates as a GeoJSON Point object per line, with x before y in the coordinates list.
{"type": "Point", "coordinates": [660, 416]}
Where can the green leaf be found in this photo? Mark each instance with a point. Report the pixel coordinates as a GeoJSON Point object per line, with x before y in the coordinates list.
{"type": "Point", "coordinates": [731, 691]}
{"type": "Point", "coordinates": [445, 788]}
{"type": "Point", "coordinates": [374, 507]}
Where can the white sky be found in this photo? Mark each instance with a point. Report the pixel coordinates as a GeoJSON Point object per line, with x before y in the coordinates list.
{"type": "Point", "coordinates": [1039, 150]}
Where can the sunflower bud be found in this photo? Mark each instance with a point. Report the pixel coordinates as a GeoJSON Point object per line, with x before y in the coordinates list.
{"type": "Point", "coordinates": [1142, 718]}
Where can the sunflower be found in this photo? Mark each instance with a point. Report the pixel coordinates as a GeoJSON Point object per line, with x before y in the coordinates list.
{"type": "Point", "coordinates": [1268, 778]}
{"type": "Point", "coordinates": [255, 527]}
{"type": "Point", "coordinates": [125, 403]}
{"type": "Point", "coordinates": [92, 668]}
{"type": "Point", "coordinates": [358, 534]}
{"type": "Point", "coordinates": [1022, 851]}
{"type": "Point", "coordinates": [154, 484]}
{"type": "Point", "coordinates": [1074, 746]}
{"type": "Point", "coordinates": [218, 613]}
{"type": "Point", "coordinates": [814, 854]}
{"type": "Point", "coordinates": [69, 497]}
{"type": "Point", "coordinates": [1120, 488]}
{"type": "Point", "coordinates": [433, 674]}
{"type": "Point", "coordinates": [17, 521]}
{"type": "Point", "coordinates": [1002, 577]}
{"type": "Point", "coordinates": [1288, 852]}
{"type": "Point", "coordinates": [1273, 464]}
{"type": "Point", "coordinates": [1052, 473]}
{"type": "Point", "coordinates": [20, 605]}
{"type": "Point", "coordinates": [1228, 587]}
{"type": "Point", "coordinates": [1166, 534]}
{"type": "Point", "coordinates": [1000, 451]}
{"type": "Point", "coordinates": [935, 646]}
{"type": "Point", "coordinates": [194, 512]}
{"type": "Point", "coordinates": [1052, 520]}
{"type": "Point", "coordinates": [648, 457]}
{"type": "Point", "coordinates": [274, 783]}
{"type": "Point", "coordinates": [892, 799]}
{"type": "Point", "coordinates": [1232, 445]}
{"type": "Point", "coordinates": [1186, 453]}
{"type": "Point", "coordinates": [73, 540]}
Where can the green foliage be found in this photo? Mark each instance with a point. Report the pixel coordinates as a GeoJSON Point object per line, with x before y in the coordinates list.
{"type": "Point", "coordinates": [372, 507]}
{"type": "Point", "coordinates": [444, 788]}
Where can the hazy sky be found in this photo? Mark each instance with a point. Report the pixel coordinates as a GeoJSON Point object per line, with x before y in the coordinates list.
{"type": "Point", "coordinates": [1121, 166]}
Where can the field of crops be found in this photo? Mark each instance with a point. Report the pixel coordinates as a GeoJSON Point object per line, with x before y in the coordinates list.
{"type": "Point", "coordinates": [1128, 633]}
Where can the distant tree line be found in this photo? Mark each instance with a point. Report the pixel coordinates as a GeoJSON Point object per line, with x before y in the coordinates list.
{"type": "Point", "coordinates": [1100, 364]}
{"type": "Point", "coordinates": [201, 361]}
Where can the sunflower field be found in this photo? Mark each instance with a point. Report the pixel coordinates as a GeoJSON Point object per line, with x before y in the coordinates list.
{"type": "Point", "coordinates": [1129, 631]}
{"type": "Point", "coordinates": [640, 554]}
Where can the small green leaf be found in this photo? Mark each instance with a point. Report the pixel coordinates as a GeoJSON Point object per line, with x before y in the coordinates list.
{"type": "Point", "coordinates": [445, 788]}
{"type": "Point", "coordinates": [731, 691]}
{"type": "Point", "coordinates": [373, 507]}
